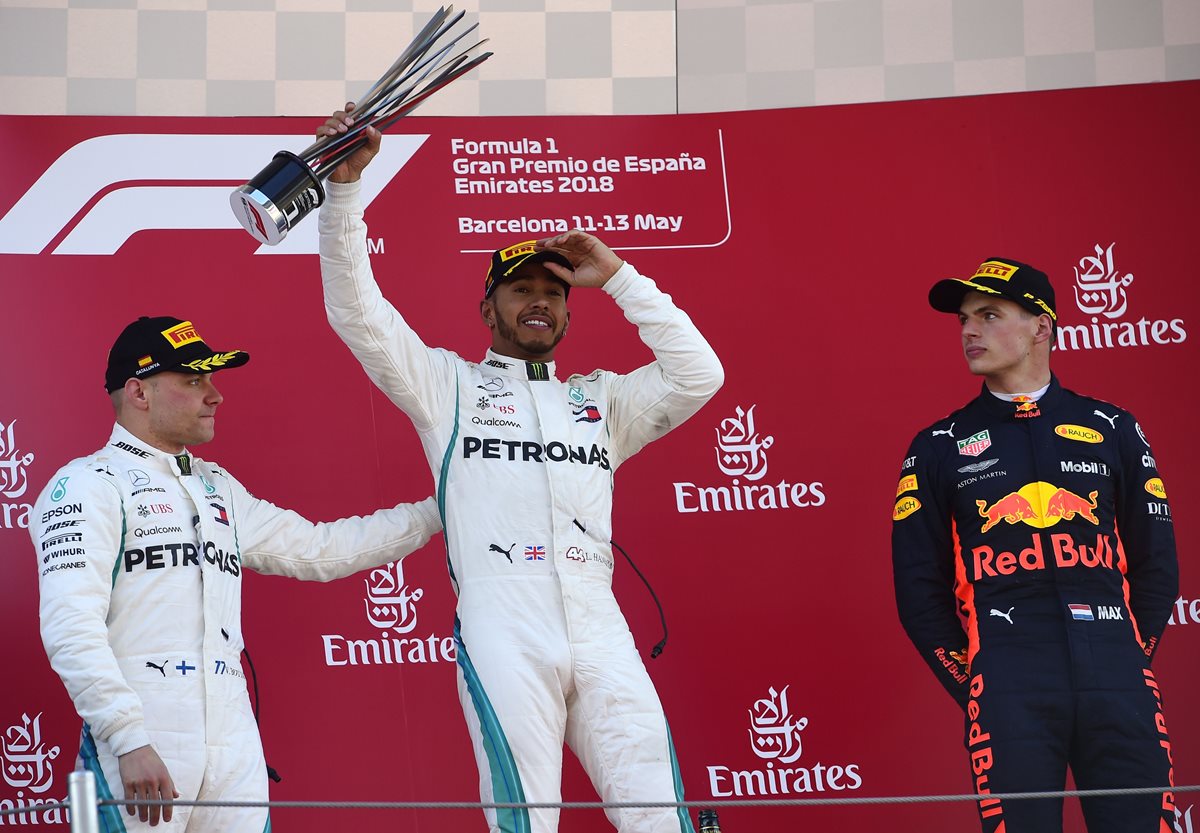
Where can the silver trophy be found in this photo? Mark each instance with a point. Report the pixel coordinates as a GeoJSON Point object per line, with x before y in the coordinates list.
{"type": "Point", "coordinates": [290, 186]}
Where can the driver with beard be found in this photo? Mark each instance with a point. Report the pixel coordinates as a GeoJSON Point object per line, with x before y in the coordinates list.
{"type": "Point", "coordinates": [524, 464]}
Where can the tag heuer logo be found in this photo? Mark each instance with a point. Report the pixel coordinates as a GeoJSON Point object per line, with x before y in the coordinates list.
{"type": "Point", "coordinates": [975, 444]}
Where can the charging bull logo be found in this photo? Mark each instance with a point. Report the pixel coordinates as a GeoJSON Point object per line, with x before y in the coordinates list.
{"type": "Point", "coordinates": [1038, 504]}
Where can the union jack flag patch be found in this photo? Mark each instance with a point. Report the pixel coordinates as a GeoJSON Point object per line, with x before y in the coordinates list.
{"type": "Point", "coordinates": [535, 553]}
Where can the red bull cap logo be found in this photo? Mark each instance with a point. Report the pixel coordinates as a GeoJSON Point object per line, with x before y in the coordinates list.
{"type": "Point", "coordinates": [1038, 504]}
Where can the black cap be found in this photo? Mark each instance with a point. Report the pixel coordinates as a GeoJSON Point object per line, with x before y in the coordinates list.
{"type": "Point", "coordinates": [505, 261]}
{"type": "Point", "coordinates": [1010, 279]}
{"type": "Point", "coordinates": [153, 345]}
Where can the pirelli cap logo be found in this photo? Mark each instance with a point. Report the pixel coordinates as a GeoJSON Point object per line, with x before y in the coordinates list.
{"type": "Point", "coordinates": [994, 269]}
{"type": "Point", "coordinates": [526, 248]}
{"type": "Point", "coordinates": [181, 334]}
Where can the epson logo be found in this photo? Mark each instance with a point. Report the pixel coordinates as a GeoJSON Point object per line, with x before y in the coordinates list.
{"type": "Point", "coordinates": [1085, 467]}
{"type": "Point", "coordinates": [65, 509]}
{"type": "Point", "coordinates": [209, 165]}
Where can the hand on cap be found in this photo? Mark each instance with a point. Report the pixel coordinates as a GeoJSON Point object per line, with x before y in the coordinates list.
{"type": "Point", "coordinates": [352, 168]}
{"type": "Point", "coordinates": [594, 262]}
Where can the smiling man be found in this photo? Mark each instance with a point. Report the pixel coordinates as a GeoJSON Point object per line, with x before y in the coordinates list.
{"type": "Point", "coordinates": [524, 464]}
{"type": "Point", "coordinates": [1035, 570]}
{"type": "Point", "coordinates": [140, 551]}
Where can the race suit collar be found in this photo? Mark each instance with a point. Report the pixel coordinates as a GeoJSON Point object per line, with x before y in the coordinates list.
{"type": "Point", "coordinates": [518, 368]}
{"type": "Point", "coordinates": [143, 454]}
{"type": "Point", "coordinates": [1045, 403]}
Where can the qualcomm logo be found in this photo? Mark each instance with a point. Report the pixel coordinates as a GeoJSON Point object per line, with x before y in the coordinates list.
{"type": "Point", "coordinates": [14, 479]}
{"type": "Point", "coordinates": [392, 608]}
{"type": "Point", "coordinates": [742, 454]}
{"type": "Point", "coordinates": [183, 180]}
{"type": "Point", "coordinates": [775, 738]}
{"type": "Point", "coordinates": [1101, 292]}
{"type": "Point", "coordinates": [25, 763]}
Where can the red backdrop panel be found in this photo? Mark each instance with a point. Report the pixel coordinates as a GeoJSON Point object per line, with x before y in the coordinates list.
{"type": "Point", "coordinates": [801, 241]}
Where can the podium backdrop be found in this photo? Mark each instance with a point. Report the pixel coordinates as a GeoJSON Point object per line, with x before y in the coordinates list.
{"type": "Point", "coordinates": [802, 242]}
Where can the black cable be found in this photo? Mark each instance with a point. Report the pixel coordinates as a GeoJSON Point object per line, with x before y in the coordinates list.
{"type": "Point", "coordinates": [271, 773]}
{"type": "Point", "coordinates": [662, 643]}
{"type": "Point", "coordinates": [662, 617]}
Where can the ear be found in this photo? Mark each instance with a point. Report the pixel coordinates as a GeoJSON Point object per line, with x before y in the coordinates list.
{"type": "Point", "coordinates": [567, 323]}
{"type": "Point", "coordinates": [135, 394]}
{"type": "Point", "coordinates": [487, 311]}
{"type": "Point", "coordinates": [1045, 329]}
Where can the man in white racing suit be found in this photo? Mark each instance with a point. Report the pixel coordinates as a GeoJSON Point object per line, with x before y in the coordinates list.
{"type": "Point", "coordinates": [524, 465]}
{"type": "Point", "coordinates": [140, 550]}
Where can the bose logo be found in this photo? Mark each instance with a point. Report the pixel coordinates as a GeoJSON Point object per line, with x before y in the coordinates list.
{"type": "Point", "coordinates": [211, 165]}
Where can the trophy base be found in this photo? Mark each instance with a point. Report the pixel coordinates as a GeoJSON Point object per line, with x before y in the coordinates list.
{"type": "Point", "coordinates": [277, 198]}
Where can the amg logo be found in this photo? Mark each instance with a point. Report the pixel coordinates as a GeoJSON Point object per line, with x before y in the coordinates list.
{"type": "Point", "coordinates": [1084, 467]}
{"type": "Point", "coordinates": [1109, 612]}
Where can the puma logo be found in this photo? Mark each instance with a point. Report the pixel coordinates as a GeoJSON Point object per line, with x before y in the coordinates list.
{"type": "Point", "coordinates": [948, 432]}
{"type": "Point", "coordinates": [158, 668]}
{"type": "Point", "coordinates": [1112, 420]}
{"type": "Point", "coordinates": [506, 553]}
{"type": "Point", "coordinates": [1005, 616]}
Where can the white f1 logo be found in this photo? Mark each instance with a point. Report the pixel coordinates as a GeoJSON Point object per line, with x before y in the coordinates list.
{"type": "Point", "coordinates": [104, 163]}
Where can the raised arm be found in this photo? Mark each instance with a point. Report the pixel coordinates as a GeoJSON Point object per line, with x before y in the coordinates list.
{"type": "Point", "coordinates": [685, 373]}
{"type": "Point", "coordinates": [412, 375]}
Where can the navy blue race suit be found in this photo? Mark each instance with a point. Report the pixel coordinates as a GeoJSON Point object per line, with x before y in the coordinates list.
{"type": "Point", "coordinates": [1035, 570]}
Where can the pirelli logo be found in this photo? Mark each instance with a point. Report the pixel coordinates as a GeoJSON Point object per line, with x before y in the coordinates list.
{"type": "Point", "coordinates": [518, 250]}
{"type": "Point", "coordinates": [995, 270]}
{"type": "Point", "coordinates": [181, 334]}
